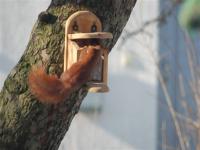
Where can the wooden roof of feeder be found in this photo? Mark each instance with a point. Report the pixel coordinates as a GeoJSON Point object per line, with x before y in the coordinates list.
{"type": "Point", "coordinates": [84, 20]}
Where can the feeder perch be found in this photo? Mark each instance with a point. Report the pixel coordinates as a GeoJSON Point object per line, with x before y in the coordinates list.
{"type": "Point", "coordinates": [85, 27]}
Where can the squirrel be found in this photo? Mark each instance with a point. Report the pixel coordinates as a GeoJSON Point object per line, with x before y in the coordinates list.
{"type": "Point", "coordinates": [51, 89]}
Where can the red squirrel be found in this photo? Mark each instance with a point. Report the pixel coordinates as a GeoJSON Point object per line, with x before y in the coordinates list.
{"type": "Point", "coordinates": [51, 89]}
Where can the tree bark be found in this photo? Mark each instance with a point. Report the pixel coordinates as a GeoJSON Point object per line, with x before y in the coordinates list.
{"type": "Point", "coordinates": [25, 123]}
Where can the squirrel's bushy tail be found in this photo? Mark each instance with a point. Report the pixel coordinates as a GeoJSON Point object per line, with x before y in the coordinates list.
{"type": "Point", "coordinates": [51, 89]}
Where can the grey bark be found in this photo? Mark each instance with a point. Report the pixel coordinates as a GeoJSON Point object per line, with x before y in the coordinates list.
{"type": "Point", "coordinates": [25, 123]}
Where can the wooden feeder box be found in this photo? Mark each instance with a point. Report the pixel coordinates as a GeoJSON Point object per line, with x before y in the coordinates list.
{"type": "Point", "coordinates": [85, 26]}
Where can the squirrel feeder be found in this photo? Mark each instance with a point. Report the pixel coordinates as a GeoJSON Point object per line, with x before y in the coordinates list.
{"type": "Point", "coordinates": [84, 28]}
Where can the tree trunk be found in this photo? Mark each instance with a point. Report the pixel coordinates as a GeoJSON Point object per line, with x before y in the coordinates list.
{"type": "Point", "coordinates": [25, 123]}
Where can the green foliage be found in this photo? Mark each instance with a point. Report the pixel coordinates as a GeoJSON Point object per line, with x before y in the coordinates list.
{"type": "Point", "coordinates": [189, 17]}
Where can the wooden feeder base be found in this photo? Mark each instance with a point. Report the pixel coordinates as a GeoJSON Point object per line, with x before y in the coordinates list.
{"type": "Point", "coordinates": [98, 87]}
